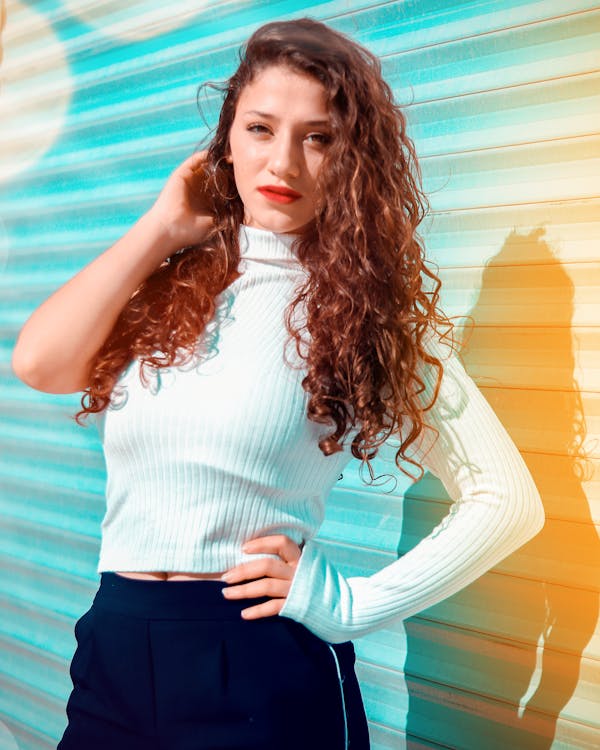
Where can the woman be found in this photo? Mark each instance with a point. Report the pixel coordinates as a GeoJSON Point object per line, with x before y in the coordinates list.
{"type": "Point", "coordinates": [219, 621]}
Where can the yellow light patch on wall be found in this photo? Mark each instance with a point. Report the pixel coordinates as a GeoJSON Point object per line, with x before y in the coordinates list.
{"type": "Point", "coordinates": [35, 88]}
{"type": "Point", "coordinates": [502, 101]}
{"type": "Point", "coordinates": [139, 19]}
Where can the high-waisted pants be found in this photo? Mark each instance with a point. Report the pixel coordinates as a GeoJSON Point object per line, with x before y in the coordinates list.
{"type": "Point", "coordinates": [172, 665]}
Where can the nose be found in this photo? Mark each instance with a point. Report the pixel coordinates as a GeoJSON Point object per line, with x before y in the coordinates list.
{"type": "Point", "coordinates": [284, 157]}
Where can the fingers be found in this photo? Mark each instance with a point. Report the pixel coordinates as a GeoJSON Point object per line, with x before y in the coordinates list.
{"type": "Point", "coordinates": [273, 587]}
{"type": "Point", "coordinates": [196, 158]}
{"type": "Point", "coordinates": [273, 575]}
{"type": "Point", "coordinates": [266, 566]}
{"type": "Point", "coordinates": [266, 609]}
{"type": "Point", "coordinates": [193, 163]}
{"type": "Point", "coordinates": [278, 544]}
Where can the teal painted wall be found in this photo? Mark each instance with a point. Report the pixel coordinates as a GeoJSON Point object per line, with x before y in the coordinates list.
{"type": "Point", "coordinates": [97, 105]}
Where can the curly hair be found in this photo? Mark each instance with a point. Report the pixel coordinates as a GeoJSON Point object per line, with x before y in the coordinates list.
{"type": "Point", "coordinates": [367, 308]}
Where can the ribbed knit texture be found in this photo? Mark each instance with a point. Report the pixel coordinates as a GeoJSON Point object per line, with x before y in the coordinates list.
{"type": "Point", "coordinates": [220, 451]}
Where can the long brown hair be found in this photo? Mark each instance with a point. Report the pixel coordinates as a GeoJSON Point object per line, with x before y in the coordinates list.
{"type": "Point", "coordinates": [367, 302]}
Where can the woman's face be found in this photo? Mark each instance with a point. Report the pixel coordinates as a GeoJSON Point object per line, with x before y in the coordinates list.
{"type": "Point", "coordinates": [278, 138]}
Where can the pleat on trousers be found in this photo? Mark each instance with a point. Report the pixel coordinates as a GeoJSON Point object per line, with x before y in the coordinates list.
{"type": "Point", "coordinates": [172, 665]}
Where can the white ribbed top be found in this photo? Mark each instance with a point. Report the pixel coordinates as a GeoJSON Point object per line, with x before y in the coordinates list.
{"type": "Point", "coordinates": [220, 451]}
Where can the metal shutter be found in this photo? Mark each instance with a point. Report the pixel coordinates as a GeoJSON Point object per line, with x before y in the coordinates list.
{"type": "Point", "coordinates": [97, 105]}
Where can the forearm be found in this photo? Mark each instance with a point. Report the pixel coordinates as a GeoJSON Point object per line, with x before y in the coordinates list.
{"type": "Point", "coordinates": [468, 543]}
{"type": "Point", "coordinates": [58, 341]}
{"type": "Point", "coordinates": [496, 509]}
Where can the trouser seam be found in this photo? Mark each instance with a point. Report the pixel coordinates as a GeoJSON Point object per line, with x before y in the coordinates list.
{"type": "Point", "coordinates": [341, 683]}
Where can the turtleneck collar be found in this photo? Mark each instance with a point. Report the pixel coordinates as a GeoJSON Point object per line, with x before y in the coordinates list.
{"type": "Point", "coordinates": [263, 244]}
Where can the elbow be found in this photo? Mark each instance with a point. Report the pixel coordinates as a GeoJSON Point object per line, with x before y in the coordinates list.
{"type": "Point", "coordinates": [520, 514]}
{"type": "Point", "coordinates": [534, 516]}
{"type": "Point", "coordinates": [537, 514]}
{"type": "Point", "coordinates": [531, 519]}
{"type": "Point", "coordinates": [27, 370]}
{"type": "Point", "coordinates": [27, 374]}
{"type": "Point", "coordinates": [24, 362]}
{"type": "Point", "coordinates": [22, 367]}
{"type": "Point", "coordinates": [56, 381]}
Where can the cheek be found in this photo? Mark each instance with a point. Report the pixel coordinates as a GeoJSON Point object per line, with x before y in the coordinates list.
{"type": "Point", "coordinates": [314, 163]}
{"type": "Point", "coordinates": [251, 153]}
{"type": "Point", "coordinates": [246, 168]}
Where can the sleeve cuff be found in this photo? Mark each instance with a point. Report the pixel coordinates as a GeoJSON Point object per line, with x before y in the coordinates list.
{"type": "Point", "coordinates": [319, 597]}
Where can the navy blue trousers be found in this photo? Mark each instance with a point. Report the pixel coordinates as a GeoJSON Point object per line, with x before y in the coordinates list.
{"type": "Point", "coordinates": [172, 665]}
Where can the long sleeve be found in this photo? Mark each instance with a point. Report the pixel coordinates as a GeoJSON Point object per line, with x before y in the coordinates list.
{"type": "Point", "coordinates": [496, 508]}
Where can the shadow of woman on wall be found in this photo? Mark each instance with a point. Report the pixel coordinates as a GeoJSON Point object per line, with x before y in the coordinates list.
{"type": "Point", "coordinates": [508, 657]}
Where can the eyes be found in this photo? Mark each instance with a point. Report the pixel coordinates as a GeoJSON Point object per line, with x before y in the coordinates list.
{"type": "Point", "coordinates": [322, 138]}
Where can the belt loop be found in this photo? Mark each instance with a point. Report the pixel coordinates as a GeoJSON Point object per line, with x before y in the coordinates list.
{"type": "Point", "coordinates": [337, 666]}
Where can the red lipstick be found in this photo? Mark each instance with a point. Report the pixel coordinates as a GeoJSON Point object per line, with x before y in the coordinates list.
{"type": "Point", "coordinates": [279, 194]}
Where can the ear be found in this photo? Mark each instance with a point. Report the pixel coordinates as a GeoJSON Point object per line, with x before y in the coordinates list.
{"type": "Point", "coordinates": [229, 159]}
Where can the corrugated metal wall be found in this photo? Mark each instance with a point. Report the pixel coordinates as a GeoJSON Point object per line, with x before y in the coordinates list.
{"type": "Point", "coordinates": [97, 106]}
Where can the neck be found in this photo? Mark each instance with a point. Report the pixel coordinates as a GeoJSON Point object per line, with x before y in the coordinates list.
{"type": "Point", "coordinates": [265, 244]}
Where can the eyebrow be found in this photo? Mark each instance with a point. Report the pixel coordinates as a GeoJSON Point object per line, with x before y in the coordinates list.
{"type": "Point", "coordinates": [269, 116]}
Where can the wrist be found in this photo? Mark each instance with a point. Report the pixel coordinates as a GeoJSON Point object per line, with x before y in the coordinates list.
{"type": "Point", "coordinates": [175, 234]}
{"type": "Point", "coordinates": [155, 227]}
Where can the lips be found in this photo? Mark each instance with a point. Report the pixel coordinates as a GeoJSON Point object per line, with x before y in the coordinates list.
{"type": "Point", "coordinates": [279, 194]}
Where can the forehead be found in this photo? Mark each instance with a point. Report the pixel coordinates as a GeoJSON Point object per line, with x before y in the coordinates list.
{"type": "Point", "coordinates": [284, 93]}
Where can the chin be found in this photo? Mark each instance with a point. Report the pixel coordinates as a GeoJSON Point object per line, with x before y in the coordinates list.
{"type": "Point", "coordinates": [278, 224]}
{"type": "Point", "coordinates": [279, 227]}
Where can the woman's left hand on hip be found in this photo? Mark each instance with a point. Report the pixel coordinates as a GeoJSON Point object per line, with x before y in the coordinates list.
{"type": "Point", "coordinates": [270, 576]}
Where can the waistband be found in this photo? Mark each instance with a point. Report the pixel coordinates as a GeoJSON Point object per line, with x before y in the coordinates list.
{"type": "Point", "coordinates": [181, 599]}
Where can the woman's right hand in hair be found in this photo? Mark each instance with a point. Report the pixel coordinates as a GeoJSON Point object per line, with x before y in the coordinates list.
{"type": "Point", "coordinates": [57, 358]}
{"type": "Point", "coordinates": [182, 206]}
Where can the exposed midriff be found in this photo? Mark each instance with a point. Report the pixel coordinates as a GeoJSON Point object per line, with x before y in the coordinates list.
{"type": "Point", "coordinates": [166, 575]}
